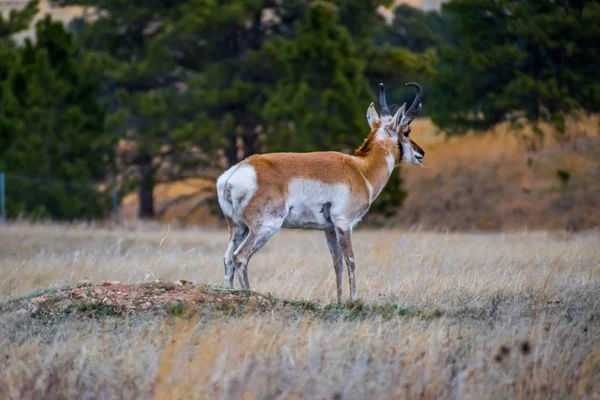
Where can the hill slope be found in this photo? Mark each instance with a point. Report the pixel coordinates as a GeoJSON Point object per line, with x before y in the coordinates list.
{"type": "Point", "coordinates": [492, 181]}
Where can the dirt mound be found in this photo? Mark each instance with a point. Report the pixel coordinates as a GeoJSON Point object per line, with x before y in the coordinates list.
{"type": "Point", "coordinates": [116, 298]}
{"type": "Point", "coordinates": [186, 299]}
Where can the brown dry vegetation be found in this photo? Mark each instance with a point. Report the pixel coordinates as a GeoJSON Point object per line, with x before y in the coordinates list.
{"type": "Point", "coordinates": [495, 182]}
{"type": "Point", "coordinates": [441, 315]}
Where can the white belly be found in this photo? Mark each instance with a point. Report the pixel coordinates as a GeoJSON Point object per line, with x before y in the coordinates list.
{"type": "Point", "coordinates": [309, 203]}
{"type": "Point", "coordinates": [308, 216]}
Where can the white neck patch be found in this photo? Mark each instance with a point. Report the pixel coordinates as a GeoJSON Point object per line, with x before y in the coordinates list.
{"type": "Point", "coordinates": [391, 162]}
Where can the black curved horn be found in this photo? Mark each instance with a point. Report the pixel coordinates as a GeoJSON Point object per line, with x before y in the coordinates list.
{"type": "Point", "coordinates": [384, 107]}
{"type": "Point", "coordinates": [416, 105]}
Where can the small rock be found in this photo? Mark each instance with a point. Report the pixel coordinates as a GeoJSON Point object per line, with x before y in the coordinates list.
{"type": "Point", "coordinates": [84, 283]}
{"type": "Point", "coordinates": [110, 283]}
{"type": "Point", "coordinates": [146, 305]}
{"type": "Point", "coordinates": [22, 311]}
{"type": "Point", "coordinates": [178, 283]}
{"type": "Point", "coordinates": [81, 296]}
{"type": "Point", "coordinates": [38, 300]}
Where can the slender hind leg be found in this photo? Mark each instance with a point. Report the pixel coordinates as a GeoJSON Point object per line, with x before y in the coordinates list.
{"type": "Point", "coordinates": [237, 234]}
{"type": "Point", "coordinates": [338, 265]}
{"type": "Point", "coordinates": [255, 240]}
{"type": "Point", "coordinates": [344, 237]}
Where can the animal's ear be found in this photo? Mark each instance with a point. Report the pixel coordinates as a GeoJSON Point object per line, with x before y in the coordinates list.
{"type": "Point", "coordinates": [397, 119]}
{"type": "Point", "coordinates": [372, 115]}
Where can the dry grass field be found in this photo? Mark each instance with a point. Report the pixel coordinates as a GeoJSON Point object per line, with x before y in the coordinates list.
{"type": "Point", "coordinates": [440, 316]}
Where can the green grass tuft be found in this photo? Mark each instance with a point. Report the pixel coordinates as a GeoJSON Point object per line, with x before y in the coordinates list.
{"type": "Point", "coordinates": [175, 309]}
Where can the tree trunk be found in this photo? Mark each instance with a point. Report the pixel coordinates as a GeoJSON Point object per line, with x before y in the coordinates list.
{"type": "Point", "coordinates": [231, 150]}
{"type": "Point", "coordinates": [146, 190]}
{"type": "Point", "coordinates": [251, 144]}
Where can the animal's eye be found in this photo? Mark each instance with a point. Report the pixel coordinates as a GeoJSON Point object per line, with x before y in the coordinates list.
{"type": "Point", "coordinates": [407, 133]}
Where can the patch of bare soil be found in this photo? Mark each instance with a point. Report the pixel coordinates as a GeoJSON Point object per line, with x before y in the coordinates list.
{"type": "Point", "coordinates": [182, 298]}
{"type": "Point", "coordinates": [116, 298]}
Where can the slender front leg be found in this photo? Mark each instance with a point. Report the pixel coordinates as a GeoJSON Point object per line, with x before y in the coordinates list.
{"type": "Point", "coordinates": [344, 237]}
{"type": "Point", "coordinates": [336, 255]}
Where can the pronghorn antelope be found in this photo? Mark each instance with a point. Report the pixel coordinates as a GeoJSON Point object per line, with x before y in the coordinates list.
{"type": "Point", "coordinates": [328, 191]}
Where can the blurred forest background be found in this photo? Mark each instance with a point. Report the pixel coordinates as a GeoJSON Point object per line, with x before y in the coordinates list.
{"type": "Point", "coordinates": [155, 98]}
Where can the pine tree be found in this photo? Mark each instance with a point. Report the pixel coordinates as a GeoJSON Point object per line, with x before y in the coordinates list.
{"type": "Point", "coordinates": [320, 99]}
{"type": "Point", "coordinates": [527, 60]}
{"type": "Point", "coordinates": [15, 22]}
{"type": "Point", "coordinates": [54, 146]}
{"type": "Point", "coordinates": [415, 29]}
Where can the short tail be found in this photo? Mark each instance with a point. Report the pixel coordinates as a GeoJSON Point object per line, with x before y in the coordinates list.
{"type": "Point", "coordinates": [224, 191]}
{"type": "Point", "coordinates": [224, 195]}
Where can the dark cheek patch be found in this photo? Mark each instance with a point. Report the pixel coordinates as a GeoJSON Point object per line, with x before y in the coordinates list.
{"type": "Point", "coordinates": [401, 150]}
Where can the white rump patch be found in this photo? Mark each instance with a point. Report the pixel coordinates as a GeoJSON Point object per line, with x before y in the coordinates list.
{"type": "Point", "coordinates": [222, 194]}
{"type": "Point", "coordinates": [235, 188]}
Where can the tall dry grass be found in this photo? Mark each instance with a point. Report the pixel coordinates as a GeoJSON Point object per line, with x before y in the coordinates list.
{"type": "Point", "coordinates": [416, 269]}
{"type": "Point", "coordinates": [519, 317]}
